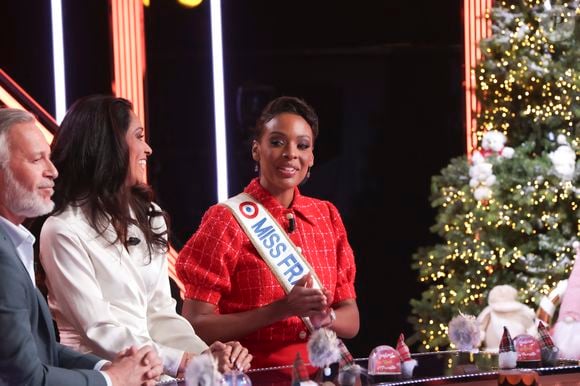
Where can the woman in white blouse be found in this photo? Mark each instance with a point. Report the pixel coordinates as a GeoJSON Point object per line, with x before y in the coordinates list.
{"type": "Point", "coordinates": [104, 247]}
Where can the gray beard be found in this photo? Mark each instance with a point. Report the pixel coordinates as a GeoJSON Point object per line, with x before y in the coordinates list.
{"type": "Point", "coordinates": [23, 202]}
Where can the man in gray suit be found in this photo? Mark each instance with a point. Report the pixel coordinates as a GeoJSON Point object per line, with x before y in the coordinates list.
{"type": "Point", "coordinates": [29, 353]}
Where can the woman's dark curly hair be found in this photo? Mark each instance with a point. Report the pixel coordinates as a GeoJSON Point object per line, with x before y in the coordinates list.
{"type": "Point", "coordinates": [286, 104]}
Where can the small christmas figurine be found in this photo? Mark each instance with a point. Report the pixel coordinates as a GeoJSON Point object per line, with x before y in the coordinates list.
{"type": "Point", "coordinates": [348, 371]}
{"type": "Point", "coordinates": [408, 363]}
{"type": "Point", "coordinates": [300, 373]}
{"type": "Point", "coordinates": [548, 349]}
{"type": "Point", "coordinates": [508, 357]}
{"type": "Point", "coordinates": [481, 177]}
{"type": "Point", "coordinates": [567, 328]}
{"type": "Point", "coordinates": [493, 144]}
{"type": "Point", "coordinates": [504, 311]}
{"type": "Point", "coordinates": [346, 360]}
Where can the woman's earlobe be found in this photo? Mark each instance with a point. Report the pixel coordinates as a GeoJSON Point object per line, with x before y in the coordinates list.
{"type": "Point", "coordinates": [255, 156]}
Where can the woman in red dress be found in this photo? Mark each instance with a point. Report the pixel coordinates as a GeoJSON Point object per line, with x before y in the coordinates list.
{"type": "Point", "coordinates": [231, 294]}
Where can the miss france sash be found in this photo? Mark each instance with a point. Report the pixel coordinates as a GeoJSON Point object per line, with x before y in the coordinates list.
{"type": "Point", "coordinates": [272, 243]}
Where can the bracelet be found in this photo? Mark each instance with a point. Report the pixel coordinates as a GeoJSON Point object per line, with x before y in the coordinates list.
{"type": "Point", "coordinates": [332, 315]}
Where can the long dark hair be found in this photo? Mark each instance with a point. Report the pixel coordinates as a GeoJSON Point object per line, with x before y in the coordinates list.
{"type": "Point", "coordinates": [91, 154]}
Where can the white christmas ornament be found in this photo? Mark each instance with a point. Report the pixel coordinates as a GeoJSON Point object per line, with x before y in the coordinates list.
{"type": "Point", "coordinates": [481, 172]}
{"type": "Point", "coordinates": [563, 160]}
{"type": "Point", "coordinates": [561, 139]}
{"type": "Point", "coordinates": [493, 144]}
{"type": "Point", "coordinates": [482, 178]}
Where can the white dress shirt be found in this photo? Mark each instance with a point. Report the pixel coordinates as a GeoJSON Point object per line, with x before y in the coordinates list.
{"type": "Point", "coordinates": [24, 241]}
{"type": "Point", "coordinates": [105, 298]}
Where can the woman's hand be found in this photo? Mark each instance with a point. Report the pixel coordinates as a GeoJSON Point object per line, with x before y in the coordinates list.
{"type": "Point", "coordinates": [240, 358]}
{"type": "Point", "coordinates": [135, 367]}
{"type": "Point", "coordinates": [303, 300]}
{"type": "Point", "coordinates": [323, 319]}
{"type": "Point", "coordinates": [230, 356]}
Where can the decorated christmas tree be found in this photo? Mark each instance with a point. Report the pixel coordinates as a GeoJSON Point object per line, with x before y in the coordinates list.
{"type": "Point", "coordinates": [509, 214]}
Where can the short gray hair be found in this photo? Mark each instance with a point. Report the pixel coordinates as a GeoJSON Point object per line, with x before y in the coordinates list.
{"type": "Point", "coordinates": [8, 118]}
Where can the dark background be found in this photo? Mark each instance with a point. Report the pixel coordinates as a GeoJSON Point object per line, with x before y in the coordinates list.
{"type": "Point", "coordinates": [384, 76]}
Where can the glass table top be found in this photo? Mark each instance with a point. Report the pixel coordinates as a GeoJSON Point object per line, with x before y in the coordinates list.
{"type": "Point", "coordinates": [432, 369]}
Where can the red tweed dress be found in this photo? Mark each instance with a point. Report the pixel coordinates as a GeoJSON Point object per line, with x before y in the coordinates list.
{"type": "Point", "coordinates": [219, 265]}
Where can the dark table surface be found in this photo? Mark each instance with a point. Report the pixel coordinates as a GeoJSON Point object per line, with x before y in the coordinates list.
{"type": "Point", "coordinates": [432, 369]}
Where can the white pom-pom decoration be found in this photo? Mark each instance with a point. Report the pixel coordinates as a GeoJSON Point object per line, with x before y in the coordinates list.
{"type": "Point", "coordinates": [464, 332]}
{"type": "Point", "coordinates": [323, 348]}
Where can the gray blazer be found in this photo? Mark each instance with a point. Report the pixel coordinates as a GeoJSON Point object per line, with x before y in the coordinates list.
{"type": "Point", "coordinates": [29, 353]}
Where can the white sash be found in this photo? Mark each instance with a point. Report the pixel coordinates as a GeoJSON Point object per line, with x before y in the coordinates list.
{"type": "Point", "coordinates": [272, 243]}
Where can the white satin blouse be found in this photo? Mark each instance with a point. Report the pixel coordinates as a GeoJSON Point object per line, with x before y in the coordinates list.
{"type": "Point", "coordinates": [105, 298]}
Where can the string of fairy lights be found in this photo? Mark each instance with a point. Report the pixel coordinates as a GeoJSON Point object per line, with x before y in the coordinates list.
{"type": "Point", "coordinates": [523, 75]}
{"type": "Point", "coordinates": [477, 252]}
{"type": "Point", "coordinates": [515, 82]}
